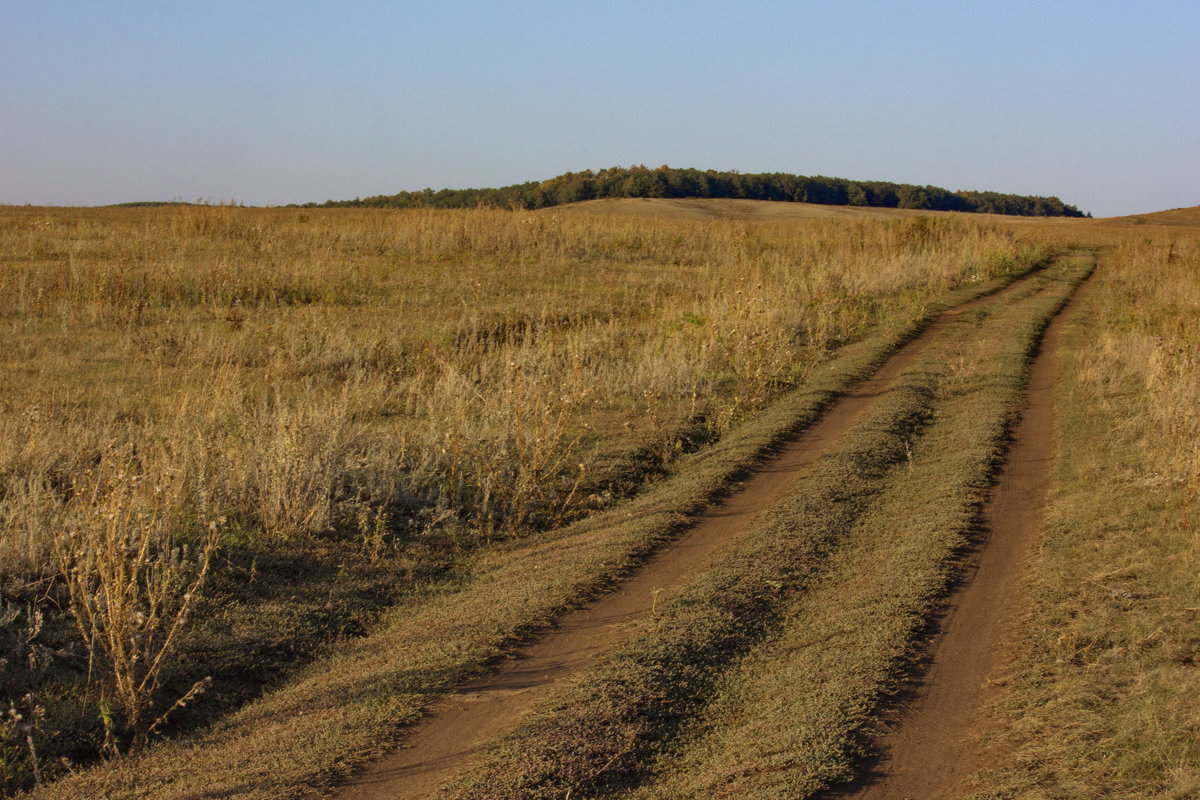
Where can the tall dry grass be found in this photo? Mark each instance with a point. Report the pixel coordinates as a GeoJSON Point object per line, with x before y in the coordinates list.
{"type": "Point", "coordinates": [299, 372]}
{"type": "Point", "coordinates": [362, 373]}
{"type": "Point", "coordinates": [1103, 691]}
{"type": "Point", "coordinates": [131, 581]}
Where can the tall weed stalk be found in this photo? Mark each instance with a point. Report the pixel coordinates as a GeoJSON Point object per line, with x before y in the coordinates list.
{"type": "Point", "coordinates": [132, 586]}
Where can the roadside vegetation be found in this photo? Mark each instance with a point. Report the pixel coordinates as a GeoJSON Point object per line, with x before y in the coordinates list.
{"type": "Point", "coordinates": [233, 436]}
{"type": "Point", "coordinates": [1103, 693]}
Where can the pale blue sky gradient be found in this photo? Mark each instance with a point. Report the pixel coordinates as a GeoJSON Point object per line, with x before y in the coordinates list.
{"type": "Point", "coordinates": [270, 103]}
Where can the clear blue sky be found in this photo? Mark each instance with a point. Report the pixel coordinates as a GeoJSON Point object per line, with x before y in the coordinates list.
{"type": "Point", "coordinates": [1097, 102]}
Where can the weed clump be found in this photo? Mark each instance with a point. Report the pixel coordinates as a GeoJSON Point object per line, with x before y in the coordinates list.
{"type": "Point", "coordinates": [132, 586]}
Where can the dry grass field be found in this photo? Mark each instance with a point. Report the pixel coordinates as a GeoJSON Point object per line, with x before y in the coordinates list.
{"type": "Point", "coordinates": [756, 210]}
{"type": "Point", "coordinates": [297, 372]}
{"type": "Point", "coordinates": [1109, 657]}
{"type": "Point", "coordinates": [377, 381]}
{"type": "Point", "coordinates": [272, 478]}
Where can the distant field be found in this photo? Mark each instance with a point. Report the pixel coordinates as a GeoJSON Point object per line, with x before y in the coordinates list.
{"type": "Point", "coordinates": [767, 211]}
{"type": "Point", "coordinates": [758, 210]}
{"type": "Point", "coordinates": [1189, 217]}
{"type": "Point", "coordinates": [269, 354]}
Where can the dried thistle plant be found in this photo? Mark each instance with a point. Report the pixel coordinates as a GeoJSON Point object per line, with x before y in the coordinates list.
{"type": "Point", "coordinates": [131, 590]}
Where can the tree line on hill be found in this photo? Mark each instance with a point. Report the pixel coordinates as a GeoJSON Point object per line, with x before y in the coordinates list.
{"type": "Point", "coordinates": [640, 181]}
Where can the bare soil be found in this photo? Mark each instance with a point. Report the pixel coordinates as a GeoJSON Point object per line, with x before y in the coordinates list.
{"type": "Point", "coordinates": [938, 737]}
{"type": "Point", "coordinates": [457, 727]}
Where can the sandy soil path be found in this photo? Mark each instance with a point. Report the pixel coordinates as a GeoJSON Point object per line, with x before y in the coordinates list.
{"type": "Point", "coordinates": [935, 742]}
{"type": "Point", "coordinates": [458, 726]}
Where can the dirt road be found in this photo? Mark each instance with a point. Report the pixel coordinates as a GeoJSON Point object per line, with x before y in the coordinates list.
{"type": "Point", "coordinates": [457, 727]}
{"type": "Point", "coordinates": [935, 742]}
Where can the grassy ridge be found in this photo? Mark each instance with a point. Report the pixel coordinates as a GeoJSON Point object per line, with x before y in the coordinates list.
{"type": "Point", "coordinates": [1103, 698]}
{"type": "Point", "coordinates": [601, 733]}
{"type": "Point", "coordinates": [791, 718]}
{"type": "Point", "coordinates": [354, 703]}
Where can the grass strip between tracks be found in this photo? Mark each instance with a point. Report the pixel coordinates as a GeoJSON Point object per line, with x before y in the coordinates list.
{"type": "Point", "coordinates": [355, 703]}
{"type": "Point", "coordinates": [602, 733]}
{"type": "Point", "coordinates": [794, 717]}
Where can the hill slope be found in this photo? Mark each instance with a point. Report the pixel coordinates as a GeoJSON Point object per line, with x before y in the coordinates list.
{"type": "Point", "coordinates": [668, 182]}
{"type": "Point", "coordinates": [1176, 216]}
{"type": "Point", "coordinates": [718, 208]}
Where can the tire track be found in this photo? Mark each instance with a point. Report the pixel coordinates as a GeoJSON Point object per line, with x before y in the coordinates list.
{"type": "Point", "coordinates": [934, 742]}
{"type": "Point", "coordinates": [458, 726]}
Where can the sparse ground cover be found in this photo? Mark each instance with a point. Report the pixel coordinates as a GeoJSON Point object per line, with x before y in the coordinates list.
{"type": "Point", "coordinates": [1104, 688]}
{"type": "Point", "coordinates": [356, 401]}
